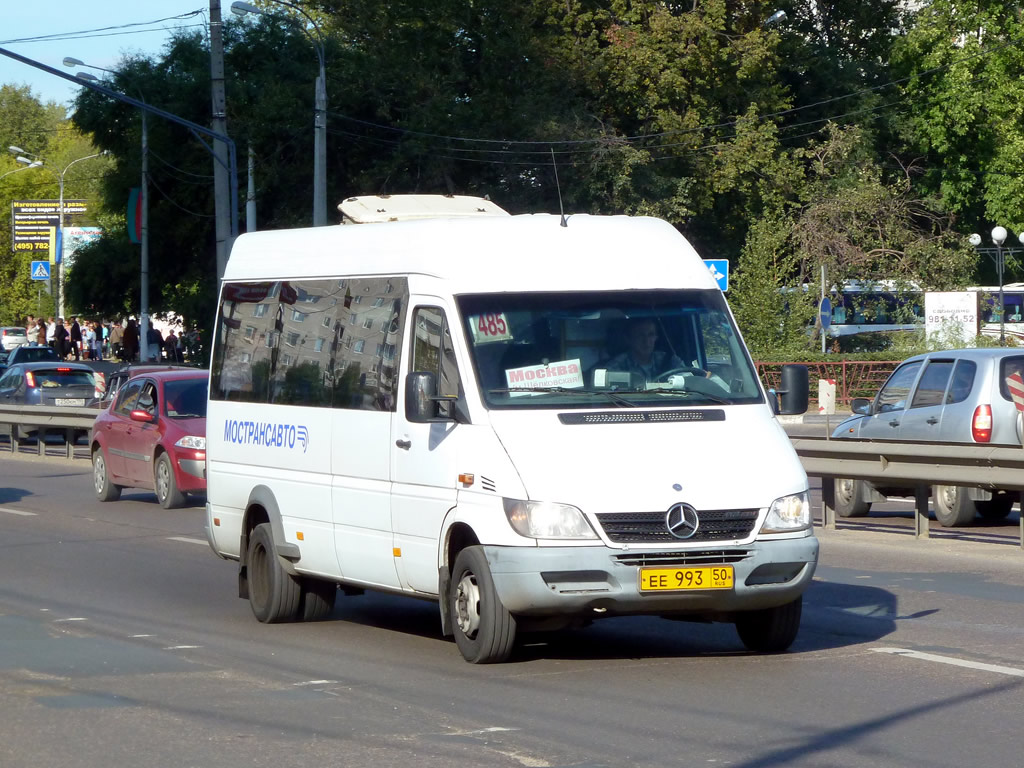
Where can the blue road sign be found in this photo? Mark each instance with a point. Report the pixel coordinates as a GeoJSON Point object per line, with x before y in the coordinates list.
{"type": "Point", "coordinates": [40, 270]}
{"type": "Point", "coordinates": [719, 269]}
{"type": "Point", "coordinates": [825, 312]}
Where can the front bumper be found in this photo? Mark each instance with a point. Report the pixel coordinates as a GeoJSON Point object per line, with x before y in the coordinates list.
{"type": "Point", "coordinates": [556, 581]}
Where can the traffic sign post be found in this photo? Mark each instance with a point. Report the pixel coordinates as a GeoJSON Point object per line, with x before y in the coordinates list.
{"type": "Point", "coordinates": [824, 318]}
{"type": "Point", "coordinates": [719, 269]}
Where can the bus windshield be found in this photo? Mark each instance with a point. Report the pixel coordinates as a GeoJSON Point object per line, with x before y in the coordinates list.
{"type": "Point", "coordinates": [618, 348]}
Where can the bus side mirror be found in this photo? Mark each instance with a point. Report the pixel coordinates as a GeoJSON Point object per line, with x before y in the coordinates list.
{"type": "Point", "coordinates": [423, 404]}
{"type": "Point", "coordinates": [794, 390]}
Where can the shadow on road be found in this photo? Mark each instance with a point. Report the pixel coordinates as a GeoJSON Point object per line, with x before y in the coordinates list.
{"type": "Point", "coordinates": [834, 616]}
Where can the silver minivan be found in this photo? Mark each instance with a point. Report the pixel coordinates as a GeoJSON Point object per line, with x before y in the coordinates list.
{"type": "Point", "coordinates": [954, 396]}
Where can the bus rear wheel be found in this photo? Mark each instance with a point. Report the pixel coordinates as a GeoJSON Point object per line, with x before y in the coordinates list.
{"type": "Point", "coordinates": [274, 594]}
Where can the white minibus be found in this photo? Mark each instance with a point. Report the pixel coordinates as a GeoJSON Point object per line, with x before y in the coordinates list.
{"type": "Point", "coordinates": [535, 421]}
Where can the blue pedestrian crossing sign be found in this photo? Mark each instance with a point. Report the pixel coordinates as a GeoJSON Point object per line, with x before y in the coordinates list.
{"type": "Point", "coordinates": [40, 270]}
{"type": "Point", "coordinates": [719, 269]}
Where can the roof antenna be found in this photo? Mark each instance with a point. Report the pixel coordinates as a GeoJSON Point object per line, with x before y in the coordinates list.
{"type": "Point", "coordinates": [558, 187]}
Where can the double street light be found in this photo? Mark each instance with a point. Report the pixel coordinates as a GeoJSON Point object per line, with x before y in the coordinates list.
{"type": "Point", "coordinates": [38, 161]}
{"type": "Point", "coordinates": [240, 8]}
{"type": "Point", "coordinates": [999, 235]}
{"type": "Point", "coordinates": [70, 61]}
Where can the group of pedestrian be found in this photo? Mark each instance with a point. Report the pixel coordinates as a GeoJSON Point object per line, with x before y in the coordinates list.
{"type": "Point", "coordinates": [80, 339]}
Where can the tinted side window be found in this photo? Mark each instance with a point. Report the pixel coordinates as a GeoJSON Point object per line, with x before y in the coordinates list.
{"type": "Point", "coordinates": [126, 398]}
{"type": "Point", "coordinates": [1007, 367]}
{"type": "Point", "coordinates": [963, 381]}
{"type": "Point", "coordinates": [297, 343]}
{"type": "Point", "coordinates": [894, 394]}
{"type": "Point", "coordinates": [933, 382]}
{"type": "Point", "coordinates": [432, 349]}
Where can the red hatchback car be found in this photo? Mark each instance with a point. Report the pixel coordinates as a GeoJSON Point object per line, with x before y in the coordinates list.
{"type": "Point", "coordinates": [153, 436]}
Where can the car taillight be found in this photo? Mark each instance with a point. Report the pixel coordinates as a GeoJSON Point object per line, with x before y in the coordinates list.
{"type": "Point", "coordinates": [30, 379]}
{"type": "Point", "coordinates": [981, 424]}
{"type": "Point", "coordinates": [63, 370]}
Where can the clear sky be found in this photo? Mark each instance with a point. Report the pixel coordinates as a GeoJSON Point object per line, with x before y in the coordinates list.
{"type": "Point", "coordinates": [96, 31]}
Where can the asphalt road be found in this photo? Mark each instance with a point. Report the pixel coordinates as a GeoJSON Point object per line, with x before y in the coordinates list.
{"type": "Point", "coordinates": [122, 644]}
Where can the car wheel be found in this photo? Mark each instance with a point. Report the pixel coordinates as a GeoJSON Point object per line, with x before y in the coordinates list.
{"type": "Point", "coordinates": [953, 508]}
{"type": "Point", "coordinates": [318, 598]}
{"type": "Point", "coordinates": [274, 594]}
{"type": "Point", "coordinates": [996, 508]}
{"type": "Point", "coordinates": [770, 630]}
{"type": "Point", "coordinates": [105, 490]}
{"type": "Point", "coordinates": [850, 498]}
{"type": "Point", "coordinates": [166, 486]}
{"type": "Point", "coordinates": [484, 629]}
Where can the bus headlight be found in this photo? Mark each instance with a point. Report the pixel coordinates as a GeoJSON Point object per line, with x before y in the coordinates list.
{"type": "Point", "coordinates": [547, 520]}
{"type": "Point", "coordinates": [788, 514]}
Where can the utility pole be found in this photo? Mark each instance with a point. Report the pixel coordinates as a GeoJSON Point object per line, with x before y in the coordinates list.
{"type": "Point", "coordinates": [221, 194]}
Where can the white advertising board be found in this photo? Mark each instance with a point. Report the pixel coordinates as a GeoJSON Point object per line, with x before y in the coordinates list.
{"type": "Point", "coordinates": [951, 317]}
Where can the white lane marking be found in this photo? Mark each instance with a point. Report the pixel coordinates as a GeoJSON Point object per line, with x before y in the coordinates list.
{"type": "Point", "coordinates": [181, 647]}
{"type": "Point", "coordinates": [72, 618]}
{"type": "Point", "coordinates": [187, 540]}
{"type": "Point", "coordinates": [141, 635]}
{"type": "Point", "coordinates": [316, 682]}
{"type": "Point", "coordinates": [952, 660]}
{"type": "Point", "coordinates": [492, 729]}
{"type": "Point", "coordinates": [10, 511]}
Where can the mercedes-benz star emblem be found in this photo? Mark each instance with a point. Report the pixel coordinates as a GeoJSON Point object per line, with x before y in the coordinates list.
{"type": "Point", "coordinates": [682, 521]}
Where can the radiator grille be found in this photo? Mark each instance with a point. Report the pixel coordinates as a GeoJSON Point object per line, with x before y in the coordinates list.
{"type": "Point", "coordinates": [683, 559]}
{"type": "Point", "coordinates": [649, 527]}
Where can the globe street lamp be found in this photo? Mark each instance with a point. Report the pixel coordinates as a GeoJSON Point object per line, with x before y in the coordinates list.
{"type": "Point", "coordinates": [39, 162]}
{"type": "Point", "coordinates": [999, 235]}
{"type": "Point", "coordinates": [240, 8]}
{"type": "Point", "coordinates": [70, 61]}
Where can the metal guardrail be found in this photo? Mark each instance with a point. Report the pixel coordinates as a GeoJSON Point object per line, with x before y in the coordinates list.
{"type": "Point", "coordinates": [48, 419]}
{"type": "Point", "coordinates": [919, 465]}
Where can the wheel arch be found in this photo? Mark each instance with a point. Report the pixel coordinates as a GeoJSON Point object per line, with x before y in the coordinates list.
{"type": "Point", "coordinates": [457, 536]}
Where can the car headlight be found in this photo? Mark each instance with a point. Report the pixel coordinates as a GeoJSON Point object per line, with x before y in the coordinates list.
{"type": "Point", "coordinates": [788, 514]}
{"type": "Point", "coordinates": [192, 441]}
{"type": "Point", "coordinates": [547, 520]}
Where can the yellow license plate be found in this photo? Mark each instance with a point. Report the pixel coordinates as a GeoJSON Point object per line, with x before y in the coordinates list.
{"type": "Point", "coordinates": [671, 579]}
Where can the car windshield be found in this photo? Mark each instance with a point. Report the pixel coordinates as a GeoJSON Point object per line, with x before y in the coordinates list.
{"type": "Point", "coordinates": [617, 348]}
{"type": "Point", "coordinates": [58, 377]}
{"type": "Point", "coordinates": [185, 398]}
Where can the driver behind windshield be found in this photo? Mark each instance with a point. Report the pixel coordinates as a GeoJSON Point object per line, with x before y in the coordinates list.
{"type": "Point", "coordinates": [643, 358]}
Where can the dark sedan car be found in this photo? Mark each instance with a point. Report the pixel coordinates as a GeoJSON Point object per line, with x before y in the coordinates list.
{"type": "Point", "coordinates": [153, 436]}
{"type": "Point", "coordinates": [54, 383]}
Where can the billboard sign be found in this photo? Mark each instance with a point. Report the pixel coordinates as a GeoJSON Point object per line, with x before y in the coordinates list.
{"type": "Point", "coordinates": [33, 220]}
{"type": "Point", "coordinates": [952, 317]}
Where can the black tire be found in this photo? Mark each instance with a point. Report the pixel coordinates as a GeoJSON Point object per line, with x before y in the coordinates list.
{"type": "Point", "coordinates": [484, 630]}
{"type": "Point", "coordinates": [274, 594]}
{"type": "Point", "coordinates": [165, 485]}
{"type": "Point", "coordinates": [998, 507]}
{"type": "Point", "coordinates": [105, 490]}
{"type": "Point", "coordinates": [953, 508]}
{"type": "Point", "coordinates": [770, 630]}
{"type": "Point", "coordinates": [318, 598]}
{"type": "Point", "coordinates": [850, 498]}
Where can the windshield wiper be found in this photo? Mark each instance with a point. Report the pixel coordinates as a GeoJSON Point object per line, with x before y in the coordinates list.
{"type": "Point", "coordinates": [679, 392]}
{"type": "Point", "coordinates": [613, 396]}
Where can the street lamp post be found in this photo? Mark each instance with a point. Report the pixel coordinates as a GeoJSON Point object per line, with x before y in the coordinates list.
{"type": "Point", "coordinates": [39, 162]}
{"type": "Point", "coordinates": [998, 238]}
{"type": "Point", "coordinates": [240, 8]}
{"type": "Point", "coordinates": [70, 61]}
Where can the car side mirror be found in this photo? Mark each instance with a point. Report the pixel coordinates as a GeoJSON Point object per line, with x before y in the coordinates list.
{"type": "Point", "coordinates": [143, 416]}
{"type": "Point", "coordinates": [861, 405]}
